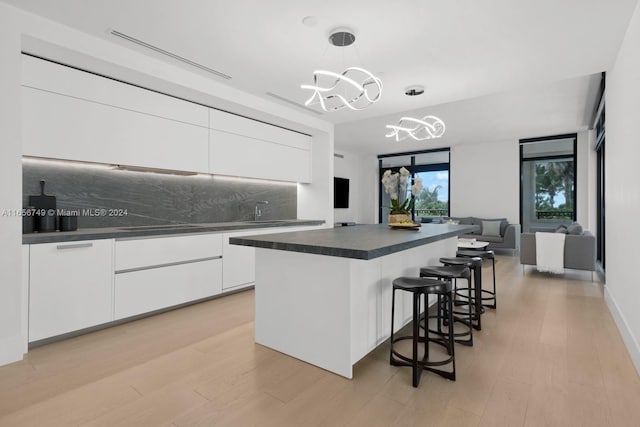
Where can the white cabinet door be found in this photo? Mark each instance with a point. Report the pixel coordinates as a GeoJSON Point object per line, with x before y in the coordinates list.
{"type": "Point", "coordinates": [142, 291]}
{"type": "Point", "coordinates": [232, 123]}
{"type": "Point", "coordinates": [70, 287]}
{"type": "Point", "coordinates": [63, 127]}
{"type": "Point", "coordinates": [248, 148]}
{"type": "Point", "coordinates": [25, 297]}
{"type": "Point", "coordinates": [239, 268]}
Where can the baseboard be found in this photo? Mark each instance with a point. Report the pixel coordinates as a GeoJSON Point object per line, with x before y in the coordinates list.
{"type": "Point", "coordinates": [627, 336]}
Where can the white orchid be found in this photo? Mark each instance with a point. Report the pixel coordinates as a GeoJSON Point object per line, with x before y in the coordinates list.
{"type": "Point", "coordinates": [395, 184]}
{"type": "Point", "coordinates": [416, 188]}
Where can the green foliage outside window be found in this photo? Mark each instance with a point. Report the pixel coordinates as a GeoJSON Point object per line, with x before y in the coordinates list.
{"type": "Point", "coordinates": [554, 179]}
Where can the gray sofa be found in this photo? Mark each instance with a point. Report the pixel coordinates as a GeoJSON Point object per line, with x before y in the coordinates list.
{"type": "Point", "coordinates": [579, 250]}
{"type": "Point", "coordinates": [508, 238]}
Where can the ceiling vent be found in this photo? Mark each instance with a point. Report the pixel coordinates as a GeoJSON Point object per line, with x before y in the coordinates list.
{"type": "Point", "coordinates": [169, 54]}
{"type": "Point", "coordinates": [290, 102]}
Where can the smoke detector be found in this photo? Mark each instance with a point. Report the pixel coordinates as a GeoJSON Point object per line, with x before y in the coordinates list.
{"type": "Point", "coordinates": [414, 90]}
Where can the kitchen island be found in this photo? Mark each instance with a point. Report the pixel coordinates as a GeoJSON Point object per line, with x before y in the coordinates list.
{"type": "Point", "coordinates": [324, 296]}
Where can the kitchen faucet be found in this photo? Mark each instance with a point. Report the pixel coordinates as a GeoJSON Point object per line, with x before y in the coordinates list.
{"type": "Point", "coordinates": [258, 211]}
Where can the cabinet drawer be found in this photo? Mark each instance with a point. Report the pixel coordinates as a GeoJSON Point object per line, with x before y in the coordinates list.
{"type": "Point", "coordinates": [150, 252]}
{"type": "Point", "coordinates": [148, 290]}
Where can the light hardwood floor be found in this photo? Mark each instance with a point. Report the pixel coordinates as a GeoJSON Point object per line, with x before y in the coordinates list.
{"type": "Point", "coordinates": [550, 355]}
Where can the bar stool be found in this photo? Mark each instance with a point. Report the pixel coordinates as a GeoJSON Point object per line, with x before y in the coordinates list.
{"type": "Point", "coordinates": [419, 287]}
{"type": "Point", "coordinates": [484, 255]}
{"type": "Point", "coordinates": [450, 274]}
{"type": "Point", "coordinates": [474, 293]}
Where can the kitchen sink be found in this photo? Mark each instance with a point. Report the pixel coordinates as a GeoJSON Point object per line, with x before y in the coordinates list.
{"type": "Point", "coordinates": [159, 227]}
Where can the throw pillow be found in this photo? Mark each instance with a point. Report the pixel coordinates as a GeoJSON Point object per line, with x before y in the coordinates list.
{"type": "Point", "coordinates": [503, 223]}
{"type": "Point", "coordinates": [561, 229]}
{"type": "Point", "coordinates": [491, 228]}
{"type": "Point", "coordinates": [574, 228]}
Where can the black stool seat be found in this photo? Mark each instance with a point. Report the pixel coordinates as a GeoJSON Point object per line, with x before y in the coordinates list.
{"type": "Point", "coordinates": [475, 264]}
{"type": "Point", "coordinates": [489, 301]}
{"type": "Point", "coordinates": [476, 253]}
{"type": "Point", "coordinates": [450, 273]}
{"type": "Point", "coordinates": [419, 287]}
{"type": "Point", "coordinates": [422, 284]}
{"type": "Point", "coordinates": [469, 262]}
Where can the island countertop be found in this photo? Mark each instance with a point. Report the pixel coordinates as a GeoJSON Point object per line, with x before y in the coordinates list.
{"type": "Point", "coordinates": [359, 242]}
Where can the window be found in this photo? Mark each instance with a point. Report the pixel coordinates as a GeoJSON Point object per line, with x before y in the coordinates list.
{"type": "Point", "coordinates": [433, 168]}
{"type": "Point", "coordinates": [548, 177]}
{"type": "Point", "coordinates": [433, 200]}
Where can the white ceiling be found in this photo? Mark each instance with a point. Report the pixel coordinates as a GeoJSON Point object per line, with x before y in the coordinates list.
{"type": "Point", "coordinates": [459, 50]}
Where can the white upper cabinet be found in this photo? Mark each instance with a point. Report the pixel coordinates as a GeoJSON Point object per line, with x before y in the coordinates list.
{"type": "Point", "coordinates": [73, 115]}
{"type": "Point", "coordinates": [248, 148]}
{"type": "Point", "coordinates": [62, 127]}
{"type": "Point", "coordinates": [45, 75]}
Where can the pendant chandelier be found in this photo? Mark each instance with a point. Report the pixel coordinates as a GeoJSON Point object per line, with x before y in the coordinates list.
{"type": "Point", "coordinates": [355, 88]}
{"type": "Point", "coordinates": [429, 127]}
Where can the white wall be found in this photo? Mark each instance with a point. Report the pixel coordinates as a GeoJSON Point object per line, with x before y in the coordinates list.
{"type": "Point", "coordinates": [362, 172]}
{"type": "Point", "coordinates": [485, 180]}
{"type": "Point", "coordinates": [623, 188]}
{"type": "Point", "coordinates": [11, 339]}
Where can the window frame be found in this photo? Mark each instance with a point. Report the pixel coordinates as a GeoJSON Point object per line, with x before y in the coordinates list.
{"type": "Point", "coordinates": [524, 141]}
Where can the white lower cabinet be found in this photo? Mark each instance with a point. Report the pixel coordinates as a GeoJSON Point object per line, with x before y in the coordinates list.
{"type": "Point", "coordinates": [76, 285]}
{"type": "Point", "coordinates": [156, 273]}
{"type": "Point", "coordinates": [70, 287]}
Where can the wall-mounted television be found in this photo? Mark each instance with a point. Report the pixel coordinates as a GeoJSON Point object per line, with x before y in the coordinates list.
{"type": "Point", "coordinates": [340, 193]}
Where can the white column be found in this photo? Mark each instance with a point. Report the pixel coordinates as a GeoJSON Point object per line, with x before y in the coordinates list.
{"type": "Point", "coordinates": [11, 336]}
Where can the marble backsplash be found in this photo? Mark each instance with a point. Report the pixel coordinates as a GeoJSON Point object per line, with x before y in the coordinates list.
{"type": "Point", "coordinates": [151, 198]}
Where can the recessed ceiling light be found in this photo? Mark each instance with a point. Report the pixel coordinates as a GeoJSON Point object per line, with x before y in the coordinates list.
{"type": "Point", "coordinates": [414, 90]}
{"type": "Point", "coordinates": [310, 21]}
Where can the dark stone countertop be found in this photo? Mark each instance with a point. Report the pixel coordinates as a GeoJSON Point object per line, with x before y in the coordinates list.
{"type": "Point", "coordinates": [359, 242]}
{"type": "Point", "coordinates": [159, 230]}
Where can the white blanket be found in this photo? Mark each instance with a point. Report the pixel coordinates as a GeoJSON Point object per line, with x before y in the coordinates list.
{"type": "Point", "coordinates": [550, 252]}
